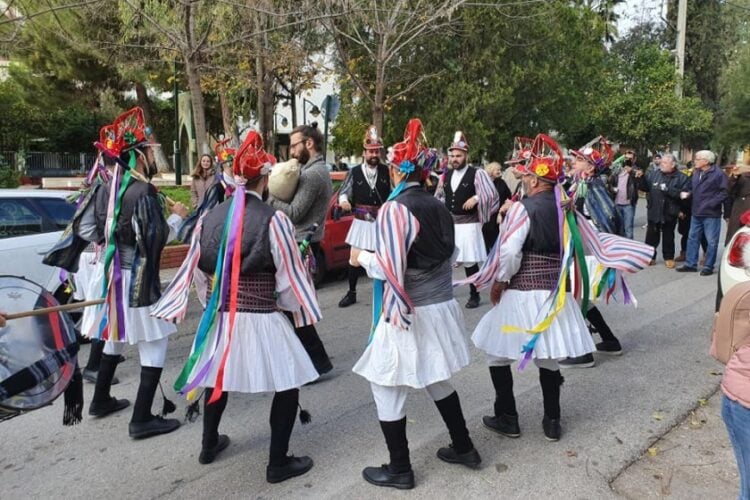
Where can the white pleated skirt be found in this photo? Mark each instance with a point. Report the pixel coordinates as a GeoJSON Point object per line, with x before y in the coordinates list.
{"type": "Point", "coordinates": [566, 337]}
{"type": "Point", "coordinates": [361, 235]}
{"type": "Point", "coordinates": [265, 355]}
{"type": "Point", "coordinates": [432, 350]}
{"type": "Point", "coordinates": [140, 326]}
{"type": "Point", "coordinates": [470, 243]}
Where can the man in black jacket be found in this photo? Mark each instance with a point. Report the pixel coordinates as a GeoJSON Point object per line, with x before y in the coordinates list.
{"type": "Point", "coordinates": [664, 187]}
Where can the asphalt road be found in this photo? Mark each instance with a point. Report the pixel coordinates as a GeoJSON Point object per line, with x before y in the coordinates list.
{"type": "Point", "coordinates": [611, 414]}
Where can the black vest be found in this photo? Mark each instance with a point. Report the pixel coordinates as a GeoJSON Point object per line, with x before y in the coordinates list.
{"type": "Point", "coordinates": [544, 234]}
{"type": "Point", "coordinates": [124, 234]}
{"type": "Point", "coordinates": [363, 194]}
{"type": "Point", "coordinates": [455, 200]}
{"type": "Point", "coordinates": [435, 241]}
{"type": "Point", "coordinates": [256, 245]}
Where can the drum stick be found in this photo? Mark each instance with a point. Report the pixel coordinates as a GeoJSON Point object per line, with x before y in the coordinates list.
{"type": "Point", "coordinates": [47, 310]}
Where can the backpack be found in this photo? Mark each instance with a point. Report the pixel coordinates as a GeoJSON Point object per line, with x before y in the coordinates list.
{"type": "Point", "coordinates": [732, 323]}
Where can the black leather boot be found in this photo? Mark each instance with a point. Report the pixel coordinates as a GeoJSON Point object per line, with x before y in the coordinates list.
{"type": "Point", "coordinates": [505, 419]}
{"type": "Point", "coordinates": [103, 403]}
{"type": "Point", "coordinates": [283, 412]}
{"type": "Point", "coordinates": [398, 473]}
{"type": "Point", "coordinates": [213, 443]}
{"type": "Point", "coordinates": [461, 449]}
{"type": "Point", "coordinates": [473, 301]}
{"type": "Point", "coordinates": [551, 382]}
{"type": "Point", "coordinates": [144, 424]}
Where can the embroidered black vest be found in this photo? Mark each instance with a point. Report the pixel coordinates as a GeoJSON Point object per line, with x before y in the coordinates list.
{"type": "Point", "coordinates": [544, 233]}
{"type": "Point", "coordinates": [363, 194]}
{"type": "Point", "coordinates": [455, 200]}
{"type": "Point", "coordinates": [435, 242]}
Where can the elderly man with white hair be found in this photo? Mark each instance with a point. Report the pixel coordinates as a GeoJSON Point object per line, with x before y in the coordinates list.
{"type": "Point", "coordinates": [709, 201]}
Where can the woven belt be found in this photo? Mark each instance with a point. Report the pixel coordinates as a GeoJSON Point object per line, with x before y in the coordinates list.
{"type": "Point", "coordinates": [366, 212]}
{"type": "Point", "coordinates": [256, 293]}
{"type": "Point", "coordinates": [538, 272]}
{"type": "Point", "coordinates": [466, 218]}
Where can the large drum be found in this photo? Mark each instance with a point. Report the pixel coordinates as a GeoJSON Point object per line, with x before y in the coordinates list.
{"type": "Point", "coordinates": [37, 353]}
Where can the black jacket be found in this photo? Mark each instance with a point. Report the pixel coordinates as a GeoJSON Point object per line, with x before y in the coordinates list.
{"type": "Point", "coordinates": [632, 187]}
{"type": "Point", "coordinates": [664, 194]}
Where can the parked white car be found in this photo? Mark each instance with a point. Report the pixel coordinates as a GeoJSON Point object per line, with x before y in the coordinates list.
{"type": "Point", "coordinates": [31, 222]}
{"type": "Point", "coordinates": [735, 260]}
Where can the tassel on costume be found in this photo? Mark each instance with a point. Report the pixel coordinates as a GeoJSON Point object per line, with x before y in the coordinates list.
{"type": "Point", "coordinates": [169, 406]}
{"type": "Point", "coordinates": [193, 410]}
{"type": "Point", "coordinates": [304, 415]}
{"type": "Point", "coordinates": [73, 396]}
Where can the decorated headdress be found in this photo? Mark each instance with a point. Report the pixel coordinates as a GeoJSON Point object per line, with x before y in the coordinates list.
{"type": "Point", "coordinates": [126, 133]}
{"type": "Point", "coordinates": [545, 160]}
{"type": "Point", "coordinates": [459, 142]}
{"type": "Point", "coordinates": [521, 150]}
{"type": "Point", "coordinates": [597, 152]}
{"type": "Point", "coordinates": [223, 152]}
{"type": "Point", "coordinates": [251, 160]}
{"type": "Point", "coordinates": [412, 153]}
{"type": "Point", "coordinates": [372, 139]}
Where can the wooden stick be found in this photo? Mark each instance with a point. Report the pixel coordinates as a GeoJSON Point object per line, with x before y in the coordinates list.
{"type": "Point", "coordinates": [47, 310]}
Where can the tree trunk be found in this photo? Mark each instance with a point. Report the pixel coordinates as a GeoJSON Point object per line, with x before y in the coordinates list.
{"type": "Point", "coordinates": [378, 102]}
{"type": "Point", "coordinates": [268, 111]}
{"type": "Point", "coordinates": [226, 115]}
{"type": "Point", "coordinates": [141, 96]}
{"type": "Point", "coordinates": [199, 110]}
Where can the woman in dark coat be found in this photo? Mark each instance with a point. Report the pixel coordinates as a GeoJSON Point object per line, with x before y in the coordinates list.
{"type": "Point", "coordinates": [491, 229]}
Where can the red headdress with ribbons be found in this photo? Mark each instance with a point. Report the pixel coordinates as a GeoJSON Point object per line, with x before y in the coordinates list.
{"type": "Point", "coordinates": [597, 152]}
{"type": "Point", "coordinates": [127, 132]}
{"type": "Point", "coordinates": [545, 160]}
{"type": "Point", "coordinates": [412, 153]}
{"type": "Point", "coordinates": [251, 160]}
{"type": "Point", "coordinates": [223, 152]}
{"type": "Point", "coordinates": [521, 150]}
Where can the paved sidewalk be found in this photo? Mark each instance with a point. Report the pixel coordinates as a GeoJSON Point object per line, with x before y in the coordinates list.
{"type": "Point", "coordinates": [693, 460]}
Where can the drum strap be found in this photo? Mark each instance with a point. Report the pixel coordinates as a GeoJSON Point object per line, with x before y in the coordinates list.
{"type": "Point", "coordinates": [33, 375]}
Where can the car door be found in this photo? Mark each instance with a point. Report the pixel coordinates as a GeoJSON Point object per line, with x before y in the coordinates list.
{"type": "Point", "coordinates": [26, 234]}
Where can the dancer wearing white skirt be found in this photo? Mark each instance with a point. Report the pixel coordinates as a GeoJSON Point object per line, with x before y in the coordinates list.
{"type": "Point", "coordinates": [253, 348]}
{"type": "Point", "coordinates": [419, 341]}
{"type": "Point", "coordinates": [364, 190]}
{"type": "Point", "coordinates": [127, 215]}
{"type": "Point", "coordinates": [471, 197]}
{"type": "Point", "coordinates": [528, 266]}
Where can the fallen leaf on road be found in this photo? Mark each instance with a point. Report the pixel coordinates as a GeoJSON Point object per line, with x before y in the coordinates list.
{"type": "Point", "coordinates": [571, 454]}
{"type": "Point", "coordinates": [411, 421]}
{"type": "Point", "coordinates": [714, 372]}
{"type": "Point", "coordinates": [703, 402]}
{"type": "Point", "coordinates": [501, 467]}
{"type": "Point", "coordinates": [619, 441]}
{"type": "Point", "coordinates": [657, 416]}
{"type": "Point", "coordinates": [652, 452]}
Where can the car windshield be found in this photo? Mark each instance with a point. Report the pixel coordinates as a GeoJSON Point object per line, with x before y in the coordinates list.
{"type": "Point", "coordinates": [59, 210]}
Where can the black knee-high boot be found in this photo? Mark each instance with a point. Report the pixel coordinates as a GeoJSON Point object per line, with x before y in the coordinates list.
{"type": "Point", "coordinates": [597, 321]}
{"type": "Point", "coordinates": [212, 443]}
{"type": "Point", "coordinates": [505, 419]}
{"type": "Point", "coordinates": [310, 339]}
{"type": "Point", "coordinates": [398, 473]}
{"type": "Point", "coordinates": [283, 412]}
{"type": "Point", "coordinates": [351, 295]}
{"type": "Point", "coordinates": [462, 449]}
{"type": "Point", "coordinates": [103, 403]}
{"type": "Point", "coordinates": [473, 301]}
{"type": "Point", "coordinates": [551, 382]}
{"type": "Point", "coordinates": [95, 355]}
{"type": "Point", "coordinates": [144, 424]}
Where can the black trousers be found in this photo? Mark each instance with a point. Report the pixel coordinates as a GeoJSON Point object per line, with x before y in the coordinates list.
{"type": "Point", "coordinates": [663, 231]}
{"type": "Point", "coordinates": [310, 339]}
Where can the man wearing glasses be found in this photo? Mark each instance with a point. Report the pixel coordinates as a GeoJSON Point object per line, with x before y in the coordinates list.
{"type": "Point", "coordinates": [308, 207]}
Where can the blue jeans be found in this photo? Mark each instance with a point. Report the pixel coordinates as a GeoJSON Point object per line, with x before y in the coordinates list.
{"type": "Point", "coordinates": [627, 214]}
{"type": "Point", "coordinates": [737, 419]}
{"type": "Point", "coordinates": [710, 227]}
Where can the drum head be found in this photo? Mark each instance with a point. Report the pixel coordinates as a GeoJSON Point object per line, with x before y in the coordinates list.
{"type": "Point", "coordinates": [26, 341]}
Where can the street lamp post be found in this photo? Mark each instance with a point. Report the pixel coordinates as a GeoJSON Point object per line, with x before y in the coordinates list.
{"type": "Point", "coordinates": [177, 157]}
{"type": "Point", "coordinates": [314, 110]}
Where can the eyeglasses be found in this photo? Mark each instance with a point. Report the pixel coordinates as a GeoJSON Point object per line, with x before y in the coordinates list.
{"type": "Point", "coordinates": [291, 146]}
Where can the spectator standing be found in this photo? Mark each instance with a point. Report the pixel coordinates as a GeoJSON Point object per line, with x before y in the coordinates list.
{"type": "Point", "coordinates": [739, 193]}
{"type": "Point", "coordinates": [709, 200]}
{"type": "Point", "coordinates": [624, 187]}
{"type": "Point", "coordinates": [665, 187]}
{"type": "Point", "coordinates": [491, 228]}
{"type": "Point", "coordinates": [203, 177]}
{"type": "Point", "coordinates": [309, 207]}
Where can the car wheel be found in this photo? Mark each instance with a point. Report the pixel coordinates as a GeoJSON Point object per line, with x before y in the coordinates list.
{"type": "Point", "coordinates": [320, 269]}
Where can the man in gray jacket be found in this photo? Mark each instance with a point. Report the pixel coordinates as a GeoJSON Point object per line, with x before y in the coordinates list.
{"type": "Point", "coordinates": [309, 207]}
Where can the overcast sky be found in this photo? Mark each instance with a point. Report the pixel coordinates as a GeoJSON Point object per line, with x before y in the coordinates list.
{"type": "Point", "coordinates": [633, 12]}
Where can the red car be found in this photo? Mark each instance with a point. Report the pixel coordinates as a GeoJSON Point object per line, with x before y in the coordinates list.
{"type": "Point", "coordinates": [334, 251]}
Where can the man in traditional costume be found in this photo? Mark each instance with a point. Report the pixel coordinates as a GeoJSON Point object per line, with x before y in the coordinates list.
{"type": "Point", "coordinates": [308, 207]}
{"type": "Point", "coordinates": [244, 343]}
{"type": "Point", "coordinates": [363, 192]}
{"type": "Point", "coordinates": [471, 198]}
{"type": "Point", "coordinates": [418, 337]}
{"type": "Point", "coordinates": [127, 216]}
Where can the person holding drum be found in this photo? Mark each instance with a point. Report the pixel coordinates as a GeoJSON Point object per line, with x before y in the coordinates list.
{"type": "Point", "coordinates": [127, 216]}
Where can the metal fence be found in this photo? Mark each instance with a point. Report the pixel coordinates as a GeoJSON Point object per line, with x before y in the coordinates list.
{"type": "Point", "coordinates": [48, 164]}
